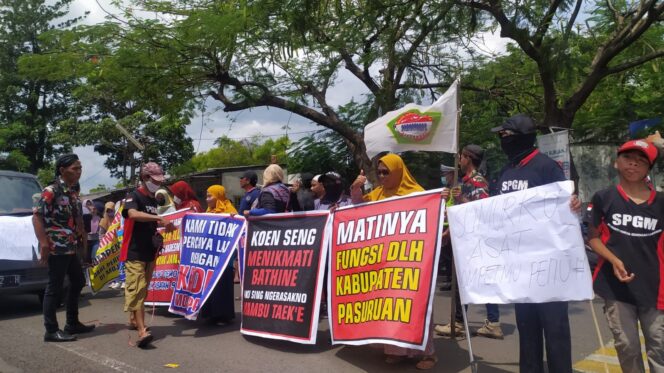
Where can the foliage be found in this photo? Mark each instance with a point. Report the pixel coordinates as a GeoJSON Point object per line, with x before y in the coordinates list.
{"type": "Point", "coordinates": [99, 188]}
{"type": "Point", "coordinates": [30, 108]}
{"type": "Point", "coordinates": [230, 153]}
{"type": "Point", "coordinates": [46, 174]}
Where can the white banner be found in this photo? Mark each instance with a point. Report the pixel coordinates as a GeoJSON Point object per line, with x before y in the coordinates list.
{"type": "Point", "coordinates": [521, 247]}
{"type": "Point", "coordinates": [556, 146]}
{"type": "Point", "coordinates": [414, 127]}
{"type": "Point", "coordinates": [17, 238]}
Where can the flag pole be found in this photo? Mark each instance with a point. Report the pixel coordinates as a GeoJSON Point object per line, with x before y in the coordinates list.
{"type": "Point", "coordinates": [455, 285]}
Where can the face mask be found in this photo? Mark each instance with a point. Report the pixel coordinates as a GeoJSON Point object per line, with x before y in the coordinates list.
{"type": "Point", "coordinates": [161, 202]}
{"type": "Point", "coordinates": [152, 187]}
{"type": "Point", "coordinates": [443, 181]}
{"type": "Point", "coordinates": [517, 146]}
{"type": "Point", "coordinates": [177, 200]}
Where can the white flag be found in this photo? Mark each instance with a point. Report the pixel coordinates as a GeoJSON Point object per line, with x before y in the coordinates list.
{"type": "Point", "coordinates": [414, 127]}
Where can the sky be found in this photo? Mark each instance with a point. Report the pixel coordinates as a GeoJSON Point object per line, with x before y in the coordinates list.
{"type": "Point", "coordinates": [213, 123]}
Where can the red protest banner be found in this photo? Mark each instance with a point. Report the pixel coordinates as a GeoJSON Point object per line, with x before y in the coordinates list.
{"type": "Point", "coordinates": [165, 275]}
{"type": "Point", "coordinates": [383, 270]}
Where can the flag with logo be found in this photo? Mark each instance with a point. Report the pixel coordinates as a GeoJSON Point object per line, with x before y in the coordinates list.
{"type": "Point", "coordinates": [415, 127]}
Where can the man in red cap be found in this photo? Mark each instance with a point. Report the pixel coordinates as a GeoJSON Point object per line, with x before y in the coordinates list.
{"type": "Point", "coordinates": [627, 232]}
{"type": "Point", "coordinates": [140, 246]}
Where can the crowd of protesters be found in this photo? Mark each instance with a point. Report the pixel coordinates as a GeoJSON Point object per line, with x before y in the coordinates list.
{"type": "Point", "coordinates": [629, 276]}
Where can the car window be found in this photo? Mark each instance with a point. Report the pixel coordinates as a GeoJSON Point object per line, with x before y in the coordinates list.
{"type": "Point", "coordinates": [17, 194]}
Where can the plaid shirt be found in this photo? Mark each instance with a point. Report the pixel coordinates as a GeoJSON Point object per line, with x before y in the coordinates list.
{"type": "Point", "coordinates": [58, 207]}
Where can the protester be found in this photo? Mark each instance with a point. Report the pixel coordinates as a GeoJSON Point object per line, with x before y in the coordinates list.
{"type": "Point", "coordinates": [275, 197]}
{"type": "Point", "coordinates": [473, 187]}
{"type": "Point", "coordinates": [317, 187]}
{"type": "Point", "coordinates": [97, 211]}
{"type": "Point", "coordinates": [107, 219]}
{"type": "Point", "coordinates": [140, 246]}
{"type": "Point", "coordinates": [333, 192]}
{"type": "Point", "coordinates": [220, 305]}
{"type": "Point", "coordinates": [248, 182]}
{"type": "Point", "coordinates": [57, 221]}
{"type": "Point", "coordinates": [184, 197]}
{"type": "Point", "coordinates": [305, 196]}
{"type": "Point", "coordinates": [165, 202]}
{"type": "Point", "coordinates": [626, 231]}
{"type": "Point", "coordinates": [539, 324]}
{"type": "Point", "coordinates": [395, 180]}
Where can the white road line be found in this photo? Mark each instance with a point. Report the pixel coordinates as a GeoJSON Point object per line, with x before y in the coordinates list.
{"type": "Point", "coordinates": [99, 359]}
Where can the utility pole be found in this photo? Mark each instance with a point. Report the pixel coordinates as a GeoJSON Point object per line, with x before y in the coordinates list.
{"type": "Point", "coordinates": [135, 142]}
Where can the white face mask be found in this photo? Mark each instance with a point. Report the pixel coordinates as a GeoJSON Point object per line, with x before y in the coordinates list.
{"type": "Point", "coordinates": [177, 200]}
{"type": "Point", "coordinates": [152, 187]}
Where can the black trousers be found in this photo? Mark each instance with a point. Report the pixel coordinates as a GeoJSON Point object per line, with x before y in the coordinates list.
{"type": "Point", "coordinates": [58, 267]}
{"type": "Point", "coordinates": [538, 322]}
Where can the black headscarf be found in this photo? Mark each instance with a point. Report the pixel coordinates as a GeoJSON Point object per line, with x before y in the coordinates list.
{"type": "Point", "coordinates": [65, 160]}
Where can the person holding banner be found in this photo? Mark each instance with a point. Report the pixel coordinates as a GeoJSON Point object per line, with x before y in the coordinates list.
{"type": "Point", "coordinates": [394, 179]}
{"type": "Point", "coordinates": [165, 202]}
{"type": "Point", "coordinates": [333, 192]}
{"type": "Point", "coordinates": [626, 231]}
{"type": "Point", "coordinates": [184, 197]}
{"type": "Point", "coordinates": [528, 168]}
{"type": "Point", "coordinates": [140, 246]}
{"type": "Point", "coordinates": [473, 187]}
{"type": "Point", "coordinates": [220, 306]}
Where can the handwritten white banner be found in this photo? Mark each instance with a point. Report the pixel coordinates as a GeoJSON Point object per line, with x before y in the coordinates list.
{"type": "Point", "coordinates": [521, 247]}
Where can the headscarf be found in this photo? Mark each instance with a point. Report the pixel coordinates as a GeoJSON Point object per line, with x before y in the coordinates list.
{"type": "Point", "coordinates": [408, 185]}
{"type": "Point", "coordinates": [168, 205]}
{"type": "Point", "coordinates": [223, 204]}
{"type": "Point", "coordinates": [65, 160]}
{"type": "Point", "coordinates": [105, 222]}
{"type": "Point", "coordinates": [187, 197]}
{"type": "Point", "coordinates": [273, 174]}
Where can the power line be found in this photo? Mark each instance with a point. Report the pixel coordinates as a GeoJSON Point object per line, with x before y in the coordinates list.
{"type": "Point", "coordinates": [259, 136]}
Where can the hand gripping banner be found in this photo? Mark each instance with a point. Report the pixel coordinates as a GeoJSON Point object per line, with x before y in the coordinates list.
{"type": "Point", "coordinates": [383, 270]}
{"type": "Point", "coordinates": [283, 276]}
{"type": "Point", "coordinates": [165, 275]}
{"type": "Point", "coordinates": [208, 242]}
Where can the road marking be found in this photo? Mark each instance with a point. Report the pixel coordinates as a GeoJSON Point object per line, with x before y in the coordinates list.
{"type": "Point", "coordinates": [605, 360]}
{"type": "Point", "coordinates": [99, 358]}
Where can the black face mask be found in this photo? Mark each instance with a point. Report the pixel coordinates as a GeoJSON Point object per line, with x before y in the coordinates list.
{"type": "Point", "coordinates": [161, 202]}
{"type": "Point", "coordinates": [518, 146]}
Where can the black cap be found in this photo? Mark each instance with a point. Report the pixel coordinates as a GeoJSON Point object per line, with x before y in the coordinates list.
{"type": "Point", "coordinates": [519, 124]}
{"type": "Point", "coordinates": [251, 176]}
{"type": "Point", "coordinates": [474, 151]}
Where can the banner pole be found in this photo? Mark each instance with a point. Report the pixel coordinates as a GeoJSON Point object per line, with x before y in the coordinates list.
{"type": "Point", "coordinates": [455, 285]}
{"type": "Point", "coordinates": [473, 363]}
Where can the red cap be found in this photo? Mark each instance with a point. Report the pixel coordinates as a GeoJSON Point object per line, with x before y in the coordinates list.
{"type": "Point", "coordinates": [153, 170]}
{"type": "Point", "coordinates": [645, 147]}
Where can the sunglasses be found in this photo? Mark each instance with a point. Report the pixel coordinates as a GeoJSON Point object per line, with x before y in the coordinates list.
{"type": "Point", "coordinates": [380, 172]}
{"type": "Point", "coordinates": [109, 211]}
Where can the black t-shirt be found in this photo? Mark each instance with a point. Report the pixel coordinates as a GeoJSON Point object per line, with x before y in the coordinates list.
{"type": "Point", "coordinates": [140, 234]}
{"type": "Point", "coordinates": [634, 234]}
{"type": "Point", "coordinates": [534, 170]}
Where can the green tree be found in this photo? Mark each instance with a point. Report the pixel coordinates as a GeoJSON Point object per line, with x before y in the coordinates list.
{"type": "Point", "coordinates": [30, 108]}
{"type": "Point", "coordinates": [573, 57]}
{"type": "Point", "coordinates": [99, 188]}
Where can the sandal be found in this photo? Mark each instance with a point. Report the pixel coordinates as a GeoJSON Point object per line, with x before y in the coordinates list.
{"type": "Point", "coordinates": [134, 327]}
{"type": "Point", "coordinates": [394, 359]}
{"type": "Point", "coordinates": [427, 362]}
{"type": "Point", "coordinates": [144, 340]}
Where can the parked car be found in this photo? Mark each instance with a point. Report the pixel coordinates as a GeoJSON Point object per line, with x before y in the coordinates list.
{"type": "Point", "coordinates": [20, 271]}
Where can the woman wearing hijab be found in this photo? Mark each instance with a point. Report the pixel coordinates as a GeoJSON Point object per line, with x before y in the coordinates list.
{"type": "Point", "coordinates": [184, 197]}
{"type": "Point", "coordinates": [220, 306]}
{"type": "Point", "coordinates": [275, 196]}
{"type": "Point", "coordinates": [107, 219]}
{"type": "Point", "coordinates": [333, 192]}
{"type": "Point", "coordinates": [395, 180]}
{"type": "Point", "coordinates": [164, 201]}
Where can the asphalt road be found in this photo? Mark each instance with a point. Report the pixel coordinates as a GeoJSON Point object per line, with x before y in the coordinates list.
{"type": "Point", "coordinates": [199, 347]}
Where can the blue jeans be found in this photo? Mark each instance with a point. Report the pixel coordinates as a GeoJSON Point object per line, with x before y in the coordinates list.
{"type": "Point", "coordinates": [537, 322]}
{"type": "Point", "coordinates": [492, 311]}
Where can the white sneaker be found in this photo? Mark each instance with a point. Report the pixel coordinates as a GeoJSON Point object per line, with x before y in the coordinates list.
{"type": "Point", "coordinates": [123, 285]}
{"type": "Point", "coordinates": [114, 285]}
